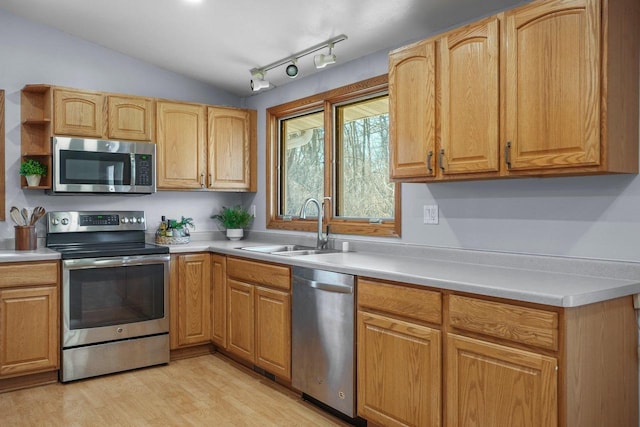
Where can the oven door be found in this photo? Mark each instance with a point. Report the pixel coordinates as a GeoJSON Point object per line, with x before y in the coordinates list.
{"type": "Point", "coordinates": [107, 299]}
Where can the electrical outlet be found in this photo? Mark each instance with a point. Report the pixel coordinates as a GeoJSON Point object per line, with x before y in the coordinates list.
{"type": "Point", "coordinates": [430, 214]}
{"type": "Point", "coordinates": [252, 210]}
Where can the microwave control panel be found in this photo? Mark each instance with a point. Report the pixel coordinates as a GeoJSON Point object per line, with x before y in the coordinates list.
{"type": "Point", "coordinates": [144, 169]}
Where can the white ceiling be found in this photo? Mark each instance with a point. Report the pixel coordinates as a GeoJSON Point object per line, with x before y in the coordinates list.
{"type": "Point", "coordinates": [219, 41]}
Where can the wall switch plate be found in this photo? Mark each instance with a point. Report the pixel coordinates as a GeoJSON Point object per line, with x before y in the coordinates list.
{"type": "Point", "coordinates": [252, 210]}
{"type": "Point", "coordinates": [430, 214]}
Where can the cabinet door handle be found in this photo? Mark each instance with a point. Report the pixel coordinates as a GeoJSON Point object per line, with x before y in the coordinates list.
{"type": "Point", "coordinates": [202, 180]}
{"type": "Point", "coordinates": [210, 181]}
{"type": "Point", "coordinates": [441, 159]}
{"type": "Point", "coordinates": [429, 159]}
{"type": "Point", "coordinates": [507, 154]}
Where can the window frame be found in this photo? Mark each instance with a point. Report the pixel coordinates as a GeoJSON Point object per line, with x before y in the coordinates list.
{"type": "Point", "coordinates": [325, 101]}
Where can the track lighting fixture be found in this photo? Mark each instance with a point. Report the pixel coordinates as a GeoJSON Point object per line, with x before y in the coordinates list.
{"type": "Point", "coordinates": [257, 80]}
{"type": "Point", "coordinates": [292, 69]}
{"type": "Point", "coordinates": [322, 60]}
{"type": "Point", "coordinates": [257, 74]}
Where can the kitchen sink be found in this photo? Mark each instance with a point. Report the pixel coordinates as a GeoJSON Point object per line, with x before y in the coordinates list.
{"type": "Point", "coordinates": [288, 250]}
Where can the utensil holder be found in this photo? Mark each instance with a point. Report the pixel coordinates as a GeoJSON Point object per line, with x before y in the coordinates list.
{"type": "Point", "coordinates": [26, 237]}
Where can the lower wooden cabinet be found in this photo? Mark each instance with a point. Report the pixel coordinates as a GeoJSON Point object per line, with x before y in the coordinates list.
{"type": "Point", "coordinates": [399, 366]}
{"type": "Point", "coordinates": [190, 300]}
{"type": "Point", "coordinates": [399, 354]}
{"type": "Point", "coordinates": [29, 318]}
{"type": "Point", "coordinates": [259, 314]}
{"type": "Point", "coordinates": [494, 385]}
{"type": "Point", "coordinates": [219, 300]}
{"type": "Point", "coordinates": [240, 319]}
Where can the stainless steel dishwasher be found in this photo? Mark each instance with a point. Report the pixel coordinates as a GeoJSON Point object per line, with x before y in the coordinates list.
{"type": "Point", "coordinates": [323, 356]}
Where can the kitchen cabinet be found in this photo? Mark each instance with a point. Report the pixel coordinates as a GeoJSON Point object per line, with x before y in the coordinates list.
{"type": "Point", "coordinates": [232, 149]}
{"type": "Point", "coordinates": [188, 160]}
{"type": "Point", "coordinates": [29, 322]}
{"type": "Point", "coordinates": [181, 145]}
{"type": "Point", "coordinates": [428, 357]}
{"type": "Point", "coordinates": [190, 300]}
{"type": "Point", "coordinates": [548, 88]}
{"type": "Point", "coordinates": [412, 111]}
{"type": "Point", "coordinates": [399, 354]}
{"type": "Point", "coordinates": [259, 314]}
{"type": "Point", "coordinates": [219, 300]}
{"type": "Point", "coordinates": [78, 113]}
{"type": "Point", "coordinates": [51, 110]}
{"type": "Point", "coordinates": [130, 118]}
{"type": "Point", "coordinates": [468, 64]}
{"type": "Point", "coordinates": [516, 386]}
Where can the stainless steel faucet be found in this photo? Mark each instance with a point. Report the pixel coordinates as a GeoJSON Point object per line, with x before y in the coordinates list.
{"type": "Point", "coordinates": [322, 238]}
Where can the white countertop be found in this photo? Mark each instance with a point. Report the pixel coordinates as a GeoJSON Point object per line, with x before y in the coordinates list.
{"type": "Point", "coordinates": [536, 285]}
{"type": "Point", "coordinates": [531, 279]}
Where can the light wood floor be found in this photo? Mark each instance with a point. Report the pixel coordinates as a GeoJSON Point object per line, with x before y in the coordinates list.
{"type": "Point", "coordinates": [202, 391]}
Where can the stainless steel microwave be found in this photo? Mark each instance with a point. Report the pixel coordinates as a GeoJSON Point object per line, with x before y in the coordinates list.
{"type": "Point", "coordinates": [100, 166]}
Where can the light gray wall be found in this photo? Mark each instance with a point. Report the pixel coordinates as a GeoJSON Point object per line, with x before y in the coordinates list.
{"type": "Point", "coordinates": [591, 217]}
{"type": "Point", "coordinates": [32, 53]}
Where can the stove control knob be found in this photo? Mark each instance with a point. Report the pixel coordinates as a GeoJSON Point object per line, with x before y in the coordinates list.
{"type": "Point", "coordinates": [65, 221]}
{"type": "Point", "coordinates": [133, 220]}
{"type": "Point", "coordinates": [55, 221]}
{"type": "Point", "coordinates": [141, 220]}
{"type": "Point", "coordinates": [125, 220]}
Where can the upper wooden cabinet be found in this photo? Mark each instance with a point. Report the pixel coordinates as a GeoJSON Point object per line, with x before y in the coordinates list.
{"type": "Point", "coordinates": [200, 147]}
{"type": "Point", "coordinates": [412, 110]}
{"type": "Point", "coordinates": [232, 149]}
{"type": "Point", "coordinates": [188, 160]}
{"type": "Point", "coordinates": [181, 150]}
{"type": "Point", "coordinates": [78, 113]}
{"type": "Point", "coordinates": [130, 118]}
{"type": "Point", "coordinates": [548, 88]}
{"type": "Point", "coordinates": [468, 67]}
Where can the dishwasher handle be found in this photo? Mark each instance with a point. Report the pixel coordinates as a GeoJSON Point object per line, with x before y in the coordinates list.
{"type": "Point", "coordinates": [329, 287]}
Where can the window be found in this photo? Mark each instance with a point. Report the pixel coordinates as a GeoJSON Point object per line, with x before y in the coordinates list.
{"type": "Point", "coordinates": [335, 147]}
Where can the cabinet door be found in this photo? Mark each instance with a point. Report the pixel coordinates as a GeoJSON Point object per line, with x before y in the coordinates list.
{"type": "Point", "coordinates": [273, 331]}
{"type": "Point", "coordinates": [412, 111]}
{"type": "Point", "coordinates": [181, 145]}
{"type": "Point", "coordinates": [469, 118]}
{"type": "Point", "coordinates": [553, 85]}
{"type": "Point", "coordinates": [493, 385]}
{"type": "Point", "coordinates": [219, 300]}
{"type": "Point", "coordinates": [399, 372]}
{"type": "Point", "coordinates": [230, 134]}
{"type": "Point", "coordinates": [78, 113]}
{"type": "Point", "coordinates": [29, 338]}
{"type": "Point", "coordinates": [240, 332]}
{"type": "Point", "coordinates": [130, 118]}
{"type": "Point", "coordinates": [192, 301]}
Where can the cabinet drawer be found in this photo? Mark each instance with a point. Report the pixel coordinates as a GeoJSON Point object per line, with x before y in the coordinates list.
{"type": "Point", "coordinates": [520, 324]}
{"type": "Point", "coordinates": [28, 274]}
{"type": "Point", "coordinates": [420, 304]}
{"type": "Point", "coordinates": [275, 276]}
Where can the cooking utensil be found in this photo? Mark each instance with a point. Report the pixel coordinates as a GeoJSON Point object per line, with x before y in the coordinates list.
{"type": "Point", "coordinates": [38, 212]}
{"type": "Point", "coordinates": [25, 215]}
{"type": "Point", "coordinates": [16, 216]}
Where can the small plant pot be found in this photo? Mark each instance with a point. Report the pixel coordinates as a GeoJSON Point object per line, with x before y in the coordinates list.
{"type": "Point", "coordinates": [33, 180]}
{"type": "Point", "coordinates": [235, 233]}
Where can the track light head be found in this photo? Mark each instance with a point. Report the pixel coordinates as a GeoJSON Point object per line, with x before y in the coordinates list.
{"type": "Point", "coordinates": [257, 80]}
{"type": "Point", "coordinates": [292, 69]}
{"type": "Point", "coordinates": [322, 60]}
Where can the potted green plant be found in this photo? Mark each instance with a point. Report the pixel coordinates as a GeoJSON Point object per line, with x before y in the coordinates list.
{"type": "Point", "coordinates": [33, 171]}
{"type": "Point", "coordinates": [234, 219]}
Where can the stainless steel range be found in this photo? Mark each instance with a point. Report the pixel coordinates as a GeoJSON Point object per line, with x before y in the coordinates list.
{"type": "Point", "coordinates": [115, 292]}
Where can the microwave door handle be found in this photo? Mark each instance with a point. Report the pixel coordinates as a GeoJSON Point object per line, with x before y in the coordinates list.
{"type": "Point", "coordinates": [133, 169]}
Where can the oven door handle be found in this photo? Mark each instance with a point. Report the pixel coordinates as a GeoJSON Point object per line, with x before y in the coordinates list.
{"type": "Point", "coordinates": [75, 264]}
